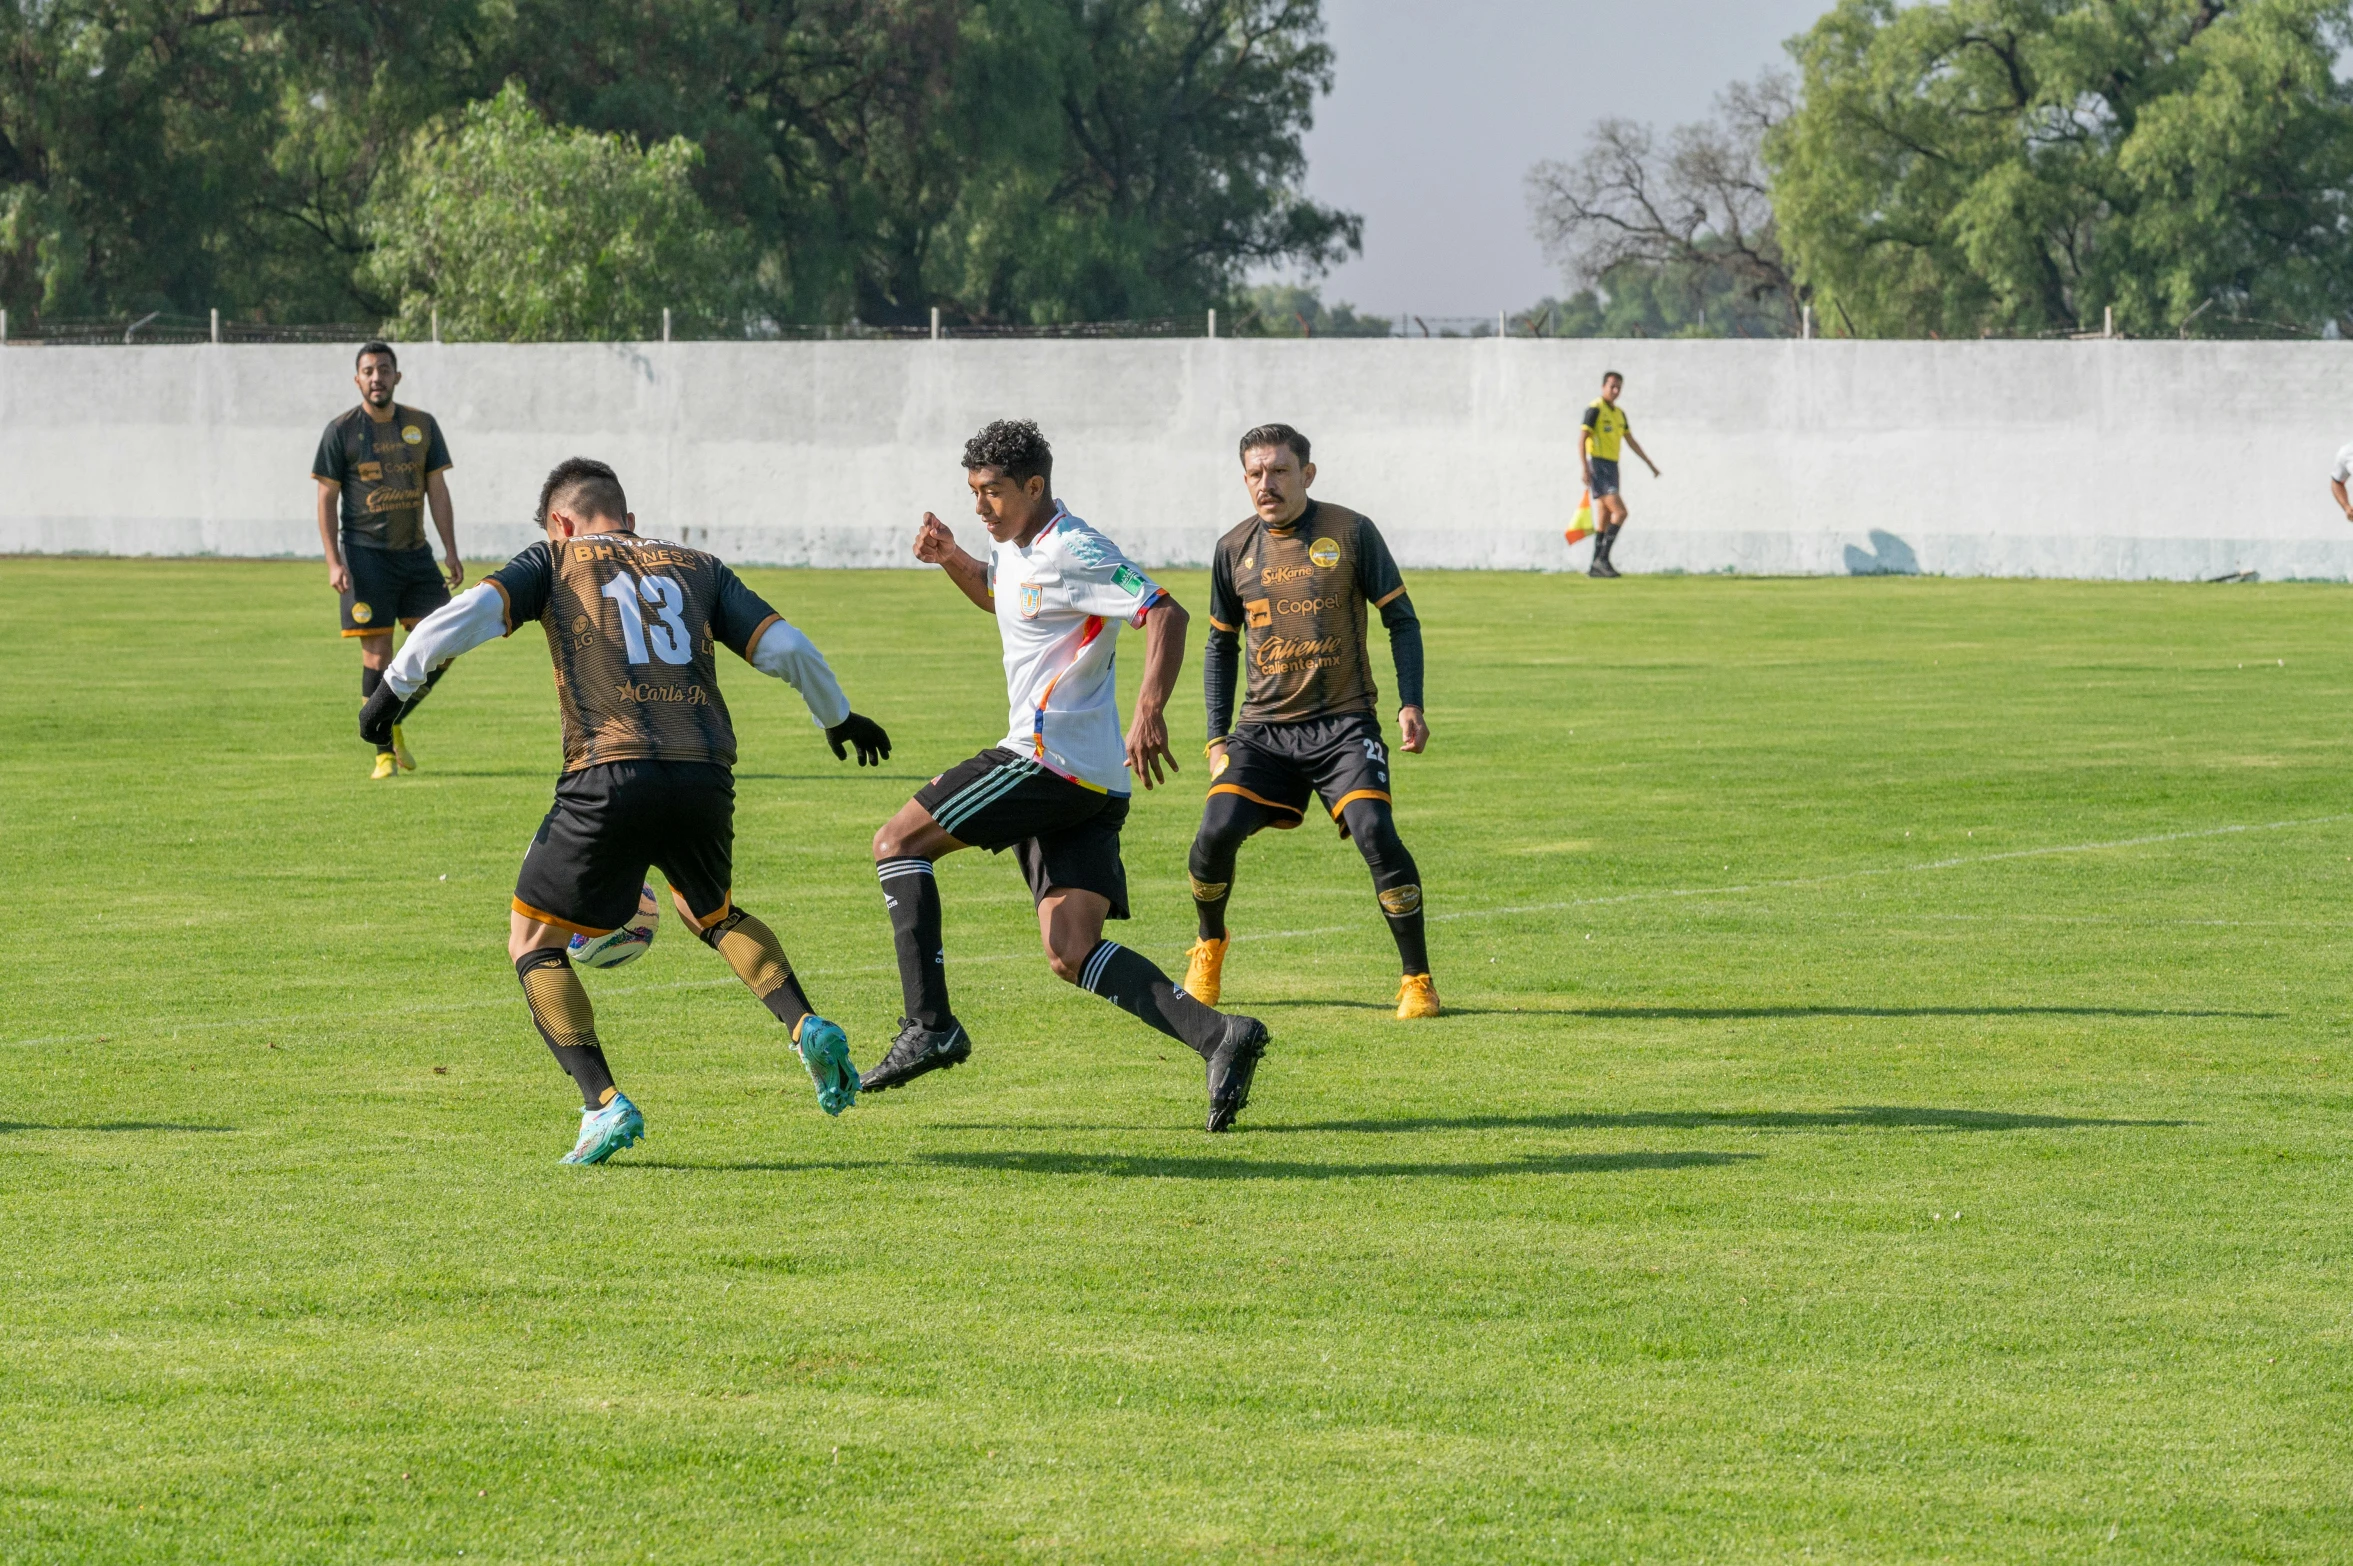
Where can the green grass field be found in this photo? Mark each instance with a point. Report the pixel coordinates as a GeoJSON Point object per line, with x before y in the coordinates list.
{"type": "Point", "coordinates": [1894, 1107]}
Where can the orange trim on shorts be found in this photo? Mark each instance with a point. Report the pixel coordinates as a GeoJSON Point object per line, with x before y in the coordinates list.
{"type": "Point", "coordinates": [1353, 795]}
{"type": "Point", "coordinates": [726, 904]}
{"type": "Point", "coordinates": [1256, 799]}
{"type": "Point", "coordinates": [373, 631]}
{"type": "Point", "coordinates": [544, 917]}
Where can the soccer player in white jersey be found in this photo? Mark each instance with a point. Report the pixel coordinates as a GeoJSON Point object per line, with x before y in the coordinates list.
{"type": "Point", "coordinates": [1055, 791]}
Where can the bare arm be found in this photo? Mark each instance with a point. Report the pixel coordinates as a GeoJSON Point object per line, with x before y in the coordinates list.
{"type": "Point", "coordinates": [1164, 659]}
{"type": "Point", "coordinates": [1644, 455]}
{"type": "Point", "coordinates": [1585, 454]}
{"type": "Point", "coordinates": [445, 523]}
{"type": "Point", "coordinates": [331, 534]}
{"type": "Point", "coordinates": [935, 545]}
{"type": "Point", "coordinates": [2336, 487]}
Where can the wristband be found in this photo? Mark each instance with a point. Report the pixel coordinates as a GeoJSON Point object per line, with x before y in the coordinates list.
{"type": "Point", "coordinates": [1213, 744]}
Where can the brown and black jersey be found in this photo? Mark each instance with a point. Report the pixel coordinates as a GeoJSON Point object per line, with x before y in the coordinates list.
{"type": "Point", "coordinates": [1298, 595]}
{"type": "Point", "coordinates": [382, 465]}
{"type": "Point", "coordinates": [632, 624]}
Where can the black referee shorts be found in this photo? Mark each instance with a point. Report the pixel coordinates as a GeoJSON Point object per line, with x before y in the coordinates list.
{"type": "Point", "coordinates": [585, 865]}
{"type": "Point", "coordinates": [1065, 834]}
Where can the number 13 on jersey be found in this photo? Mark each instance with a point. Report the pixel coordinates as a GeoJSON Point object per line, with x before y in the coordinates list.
{"type": "Point", "coordinates": [671, 641]}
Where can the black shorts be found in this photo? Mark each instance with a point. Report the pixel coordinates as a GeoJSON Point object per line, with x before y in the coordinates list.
{"type": "Point", "coordinates": [585, 865]}
{"type": "Point", "coordinates": [1340, 759]}
{"type": "Point", "coordinates": [1065, 834]}
{"type": "Point", "coordinates": [389, 586]}
{"type": "Point", "coordinates": [1605, 476]}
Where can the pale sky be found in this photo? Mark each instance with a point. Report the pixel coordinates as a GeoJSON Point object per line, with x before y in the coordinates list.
{"type": "Point", "coordinates": [1440, 109]}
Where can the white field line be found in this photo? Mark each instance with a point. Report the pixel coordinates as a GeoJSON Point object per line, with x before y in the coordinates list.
{"type": "Point", "coordinates": [1655, 894]}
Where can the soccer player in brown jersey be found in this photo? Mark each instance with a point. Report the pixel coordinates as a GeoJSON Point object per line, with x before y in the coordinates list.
{"type": "Point", "coordinates": [1290, 588]}
{"type": "Point", "coordinates": [649, 751]}
{"type": "Point", "coordinates": [379, 467]}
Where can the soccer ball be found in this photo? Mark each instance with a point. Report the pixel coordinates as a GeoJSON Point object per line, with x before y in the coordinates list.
{"type": "Point", "coordinates": [622, 945]}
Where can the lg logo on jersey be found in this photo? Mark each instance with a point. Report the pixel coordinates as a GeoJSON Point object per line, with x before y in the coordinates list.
{"type": "Point", "coordinates": [671, 641]}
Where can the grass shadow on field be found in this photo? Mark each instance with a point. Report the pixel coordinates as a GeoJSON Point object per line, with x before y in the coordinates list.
{"type": "Point", "coordinates": [1762, 1013]}
{"type": "Point", "coordinates": [1145, 1167]}
{"type": "Point", "coordinates": [1885, 1117]}
{"type": "Point", "coordinates": [7, 1126]}
{"type": "Point", "coordinates": [766, 1166]}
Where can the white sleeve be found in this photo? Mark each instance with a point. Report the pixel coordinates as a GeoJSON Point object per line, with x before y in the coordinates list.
{"type": "Point", "coordinates": [475, 616]}
{"type": "Point", "coordinates": [2343, 471]}
{"type": "Point", "coordinates": [791, 657]}
{"type": "Point", "coordinates": [1103, 581]}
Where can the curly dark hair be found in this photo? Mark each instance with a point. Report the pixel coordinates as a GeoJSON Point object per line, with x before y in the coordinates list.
{"type": "Point", "coordinates": [1014, 448]}
{"type": "Point", "coordinates": [584, 485]}
{"type": "Point", "coordinates": [1276, 435]}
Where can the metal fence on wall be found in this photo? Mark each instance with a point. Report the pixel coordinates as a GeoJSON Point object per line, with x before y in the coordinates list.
{"type": "Point", "coordinates": [157, 327]}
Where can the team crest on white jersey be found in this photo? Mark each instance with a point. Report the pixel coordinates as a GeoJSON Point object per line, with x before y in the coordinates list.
{"type": "Point", "coordinates": [1033, 598]}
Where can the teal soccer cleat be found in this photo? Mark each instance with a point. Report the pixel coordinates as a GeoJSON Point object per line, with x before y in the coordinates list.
{"type": "Point", "coordinates": [604, 1132]}
{"type": "Point", "coordinates": [825, 1050]}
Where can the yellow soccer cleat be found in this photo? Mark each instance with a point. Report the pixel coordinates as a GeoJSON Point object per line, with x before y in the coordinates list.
{"type": "Point", "coordinates": [385, 767]}
{"type": "Point", "coordinates": [400, 751]}
{"type": "Point", "coordinates": [1205, 970]}
{"type": "Point", "coordinates": [1417, 997]}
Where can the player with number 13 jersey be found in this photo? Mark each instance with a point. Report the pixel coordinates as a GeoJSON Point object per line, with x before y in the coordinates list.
{"type": "Point", "coordinates": [633, 625]}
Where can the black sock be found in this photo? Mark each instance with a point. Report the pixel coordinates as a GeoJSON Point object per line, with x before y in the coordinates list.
{"type": "Point", "coordinates": [1129, 981]}
{"type": "Point", "coordinates": [369, 680]}
{"type": "Point", "coordinates": [1397, 880]}
{"type": "Point", "coordinates": [1212, 875]}
{"type": "Point", "coordinates": [423, 691]}
{"type": "Point", "coordinates": [1401, 905]}
{"type": "Point", "coordinates": [757, 957]}
{"type": "Point", "coordinates": [912, 894]}
{"type": "Point", "coordinates": [560, 1007]}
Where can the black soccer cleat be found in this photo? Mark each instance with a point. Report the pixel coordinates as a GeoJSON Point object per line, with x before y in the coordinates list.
{"type": "Point", "coordinates": [915, 1051]}
{"type": "Point", "coordinates": [1231, 1066]}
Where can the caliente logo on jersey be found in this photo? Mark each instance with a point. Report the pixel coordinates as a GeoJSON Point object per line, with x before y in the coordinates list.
{"type": "Point", "coordinates": [1325, 553]}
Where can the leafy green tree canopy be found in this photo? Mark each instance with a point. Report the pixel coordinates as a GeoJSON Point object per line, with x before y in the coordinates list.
{"type": "Point", "coordinates": [2017, 166]}
{"type": "Point", "coordinates": [517, 230]}
{"type": "Point", "coordinates": [1010, 161]}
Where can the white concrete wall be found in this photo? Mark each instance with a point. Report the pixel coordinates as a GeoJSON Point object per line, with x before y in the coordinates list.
{"type": "Point", "coordinates": [2095, 459]}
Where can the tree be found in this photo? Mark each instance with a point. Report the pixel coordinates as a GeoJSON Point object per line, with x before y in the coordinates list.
{"type": "Point", "coordinates": [515, 229]}
{"type": "Point", "coordinates": [1004, 160]}
{"type": "Point", "coordinates": [1158, 163]}
{"type": "Point", "coordinates": [1291, 310]}
{"type": "Point", "coordinates": [1665, 232]}
{"type": "Point", "coordinates": [2019, 166]}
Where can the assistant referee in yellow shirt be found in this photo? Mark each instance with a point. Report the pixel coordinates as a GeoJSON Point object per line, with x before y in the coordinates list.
{"type": "Point", "coordinates": [1606, 426]}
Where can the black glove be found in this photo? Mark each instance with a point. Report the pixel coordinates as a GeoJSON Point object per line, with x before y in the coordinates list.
{"type": "Point", "coordinates": [379, 714]}
{"type": "Point", "coordinates": [874, 746]}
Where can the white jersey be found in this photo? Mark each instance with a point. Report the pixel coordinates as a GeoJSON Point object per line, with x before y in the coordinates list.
{"type": "Point", "coordinates": [1059, 607]}
{"type": "Point", "coordinates": [2343, 471]}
